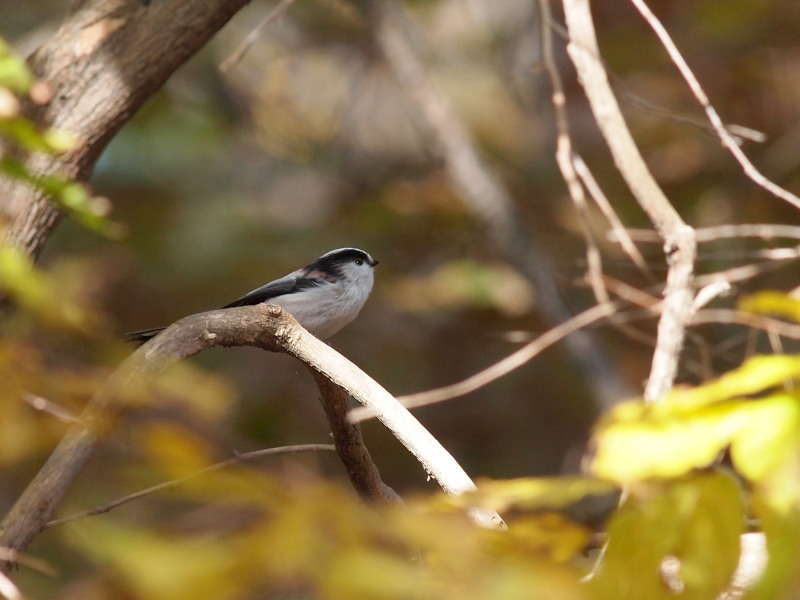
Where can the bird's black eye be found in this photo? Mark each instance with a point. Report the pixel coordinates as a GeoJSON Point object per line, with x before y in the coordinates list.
{"type": "Point", "coordinates": [359, 262]}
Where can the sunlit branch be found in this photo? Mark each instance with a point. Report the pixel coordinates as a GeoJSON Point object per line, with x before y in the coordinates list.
{"type": "Point", "coordinates": [564, 159]}
{"type": "Point", "coordinates": [766, 231]}
{"type": "Point", "coordinates": [264, 326]}
{"type": "Point", "coordinates": [724, 135]}
{"type": "Point", "coordinates": [620, 233]}
{"type": "Point", "coordinates": [484, 194]}
{"type": "Point", "coordinates": [678, 237]}
{"type": "Point", "coordinates": [501, 368]}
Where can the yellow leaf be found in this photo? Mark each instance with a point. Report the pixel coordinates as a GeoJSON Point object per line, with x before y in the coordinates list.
{"type": "Point", "coordinates": [771, 302]}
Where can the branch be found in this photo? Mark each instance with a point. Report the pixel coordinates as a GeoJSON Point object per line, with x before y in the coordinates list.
{"type": "Point", "coordinates": [350, 445]}
{"type": "Point", "coordinates": [719, 127]}
{"type": "Point", "coordinates": [502, 367]}
{"type": "Point", "coordinates": [103, 63]}
{"type": "Point", "coordinates": [264, 326]}
{"type": "Point", "coordinates": [486, 197]}
{"type": "Point", "coordinates": [173, 483]}
{"type": "Point", "coordinates": [678, 237]}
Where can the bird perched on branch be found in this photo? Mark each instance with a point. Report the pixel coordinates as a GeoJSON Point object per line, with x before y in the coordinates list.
{"type": "Point", "coordinates": [323, 296]}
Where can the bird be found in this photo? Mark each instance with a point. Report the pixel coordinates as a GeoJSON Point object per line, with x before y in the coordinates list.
{"type": "Point", "coordinates": [323, 296]}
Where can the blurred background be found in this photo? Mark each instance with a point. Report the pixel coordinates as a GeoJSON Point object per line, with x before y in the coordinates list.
{"type": "Point", "coordinates": [225, 181]}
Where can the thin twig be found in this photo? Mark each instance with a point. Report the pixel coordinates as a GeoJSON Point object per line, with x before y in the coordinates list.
{"type": "Point", "coordinates": [486, 196]}
{"type": "Point", "coordinates": [619, 232]}
{"type": "Point", "coordinates": [501, 368]}
{"type": "Point", "coordinates": [724, 135]}
{"type": "Point", "coordinates": [167, 485]}
{"type": "Point", "coordinates": [679, 242]}
{"type": "Point", "coordinates": [766, 231]}
{"type": "Point", "coordinates": [564, 156]}
{"type": "Point", "coordinates": [737, 131]}
{"type": "Point", "coordinates": [46, 406]}
{"type": "Point", "coordinates": [26, 560]}
{"type": "Point", "coordinates": [251, 37]}
{"type": "Point", "coordinates": [8, 589]}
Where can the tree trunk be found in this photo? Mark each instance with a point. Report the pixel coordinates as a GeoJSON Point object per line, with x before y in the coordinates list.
{"type": "Point", "coordinates": [103, 63]}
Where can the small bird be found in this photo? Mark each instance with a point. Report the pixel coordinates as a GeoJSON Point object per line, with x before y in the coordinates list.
{"type": "Point", "coordinates": [323, 296]}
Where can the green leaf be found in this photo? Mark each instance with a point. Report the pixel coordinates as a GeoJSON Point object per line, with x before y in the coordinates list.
{"type": "Point", "coordinates": [696, 521]}
{"type": "Point", "coordinates": [14, 73]}
{"type": "Point", "coordinates": [89, 211]}
{"type": "Point", "coordinates": [36, 292]}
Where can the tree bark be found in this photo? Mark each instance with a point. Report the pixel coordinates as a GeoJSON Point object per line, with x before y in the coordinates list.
{"type": "Point", "coordinates": [103, 63]}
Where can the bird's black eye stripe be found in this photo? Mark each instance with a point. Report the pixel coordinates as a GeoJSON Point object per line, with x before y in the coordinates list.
{"type": "Point", "coordinates": [359, 261]}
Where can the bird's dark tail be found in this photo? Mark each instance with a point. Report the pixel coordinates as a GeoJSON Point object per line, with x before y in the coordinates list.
{"type": "Point", "coordinates": [145, 335]}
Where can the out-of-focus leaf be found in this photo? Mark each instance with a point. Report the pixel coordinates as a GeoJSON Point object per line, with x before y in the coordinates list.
{"type": "Point", "coordinates": [771, 302]}
{"type": "Point", "coordinates": [160, 566]}
{"type": "Point", "coordinates": [696, 520]}
{"type": "Point", "coordinates": [33, 290]}
{"type": "Point", "coordinates": [28, 136]}
{"type": "Point", "coordinates": [467, 283]}
{"type": "Point", "coordinates": [74, 198]}
{"type": "Point", "coordinates": [14, 73]}
{"type": "Point", "coordinates": [23, 431]}
{"type": "Point", "coordinates": [767, 450]}
{"type": "Point", "coordinates": [665, 445]}
{"type": "Point", "coordinates": [756, 375]}
{"type": "Point", "coordinates": [545, 534]}
{"type": "Point", "coordinates": [390, 576]}
{"type": "Point", "coordinates": [690, 427]}
{"type": "Point", "coordinates": [199, 393]}
{"type": "Point", "coordinates": [90, 211]}
{"type": "Point", "coordinates": [781, 577]}
{"type": "Point", "coordinates": [533, 493]}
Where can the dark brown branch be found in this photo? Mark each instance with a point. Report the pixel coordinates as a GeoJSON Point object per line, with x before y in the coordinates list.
{"type": "Point", "coordinates": [350, 445]}
{"type": "Point", "coordinates": [263, 326]}
{"type": "Point", "coordinates": [103, 63]}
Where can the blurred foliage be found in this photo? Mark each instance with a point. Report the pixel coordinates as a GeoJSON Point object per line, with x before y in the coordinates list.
{"type": "Point", "coordinates": [225, 182]}
{"type": "Point", "coordinates": [20, 136]}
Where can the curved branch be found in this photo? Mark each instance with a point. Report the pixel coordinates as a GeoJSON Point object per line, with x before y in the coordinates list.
{"type": "Point", "coordinates": [263, 326]}
{"type": "Point", "coordinates": [679, 238]}
{"type": "Point", "coordinates": [103, 63]}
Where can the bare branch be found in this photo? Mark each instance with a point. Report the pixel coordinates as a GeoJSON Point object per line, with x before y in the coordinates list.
{"type": "Point", "coordinates": [766, 231]}
{"type": "Point", "coordinates": [350, 445]}
{"type": "Point", "coordinates": [168, 485]}
{"type": "Point", "coordinates": [724, 135]}
{"type": "Point", "coordinates": [501, 368]}
{"type": "Point", "coordinates": [46, 406]}
{"type": "Point", "coordinates": [263, 326]}
{"type": "Point", "coordinates": [251, 38]}
{"type": "Point", "coordinates": [679, 242]}
{"type": "Point", "coordinates": [564, 157]}
{"type": "Point", "coordinates": [617, 229]}
{"type": "Point", "coordinates": [486, 197]}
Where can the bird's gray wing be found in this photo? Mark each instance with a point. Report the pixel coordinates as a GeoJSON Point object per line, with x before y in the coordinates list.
{"type": "Point", "coordinates": [290, 284]}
